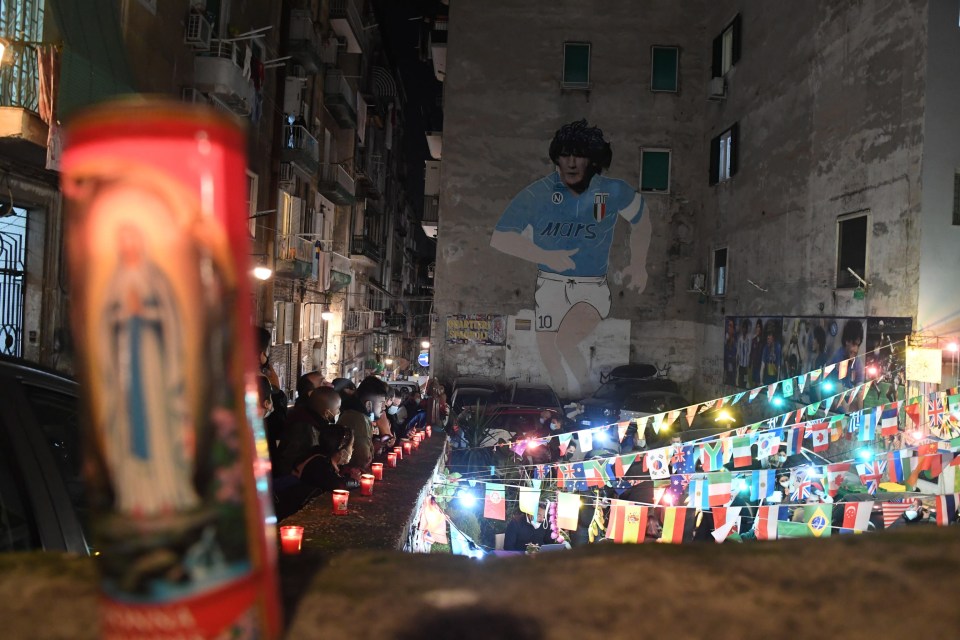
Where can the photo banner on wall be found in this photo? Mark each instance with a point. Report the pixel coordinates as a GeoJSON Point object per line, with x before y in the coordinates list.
{"type": "Point", "coordinates": [476, 328]}
{"type": "Point", "coordinates": [762, 350]}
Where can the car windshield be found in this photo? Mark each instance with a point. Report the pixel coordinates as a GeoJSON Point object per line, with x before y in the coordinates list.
{"type": "Point", "coordinates": [655, 402]}
{"type": "Point", "coordinates": [610, 391]}
{"type": "Point", "coordinates": [535, 397]}
{"type": "Point", "coordinates": [471, 398]}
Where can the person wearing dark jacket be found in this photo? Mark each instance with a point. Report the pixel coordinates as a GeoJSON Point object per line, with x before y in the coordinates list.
{"type": "Point", "coordinates": [521, 531]}
{"type": "Point", "coordinates": [321, 468]}
{"type": "Point", "coordinates": [304, 423]}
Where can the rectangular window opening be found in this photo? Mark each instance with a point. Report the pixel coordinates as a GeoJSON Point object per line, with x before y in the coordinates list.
{"type": "Point", "coordinates": [576, 65]}
{"type": "Point", "coordinates": [720, 272]}
{"type": "Point", "coordinates": [726, 48]}
{"type": "Point", "coordinates": [664, 70]}
{"type": "Point", "coordinates": [655, 170]}
{"type": "Point", "coordinates": [956, 198]}
{"type": "Point", "coordinates": [851, 250]}
{"type": "Point", "coordinates": [724, 155]}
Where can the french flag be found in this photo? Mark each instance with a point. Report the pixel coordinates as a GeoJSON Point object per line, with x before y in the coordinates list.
{"type": "Point", "coordinates": [890, 420]}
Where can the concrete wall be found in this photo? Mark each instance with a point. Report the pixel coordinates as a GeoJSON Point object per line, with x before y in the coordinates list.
{"type": "Point", "coordinates": [937, 309]}
{"type": "Point", "coordinates": [829, 98]}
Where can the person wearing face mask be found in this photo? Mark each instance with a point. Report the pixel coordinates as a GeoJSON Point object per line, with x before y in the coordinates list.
{"type": "Point", "coordinates": [324, 467]}
{"type": "Point", "coordinates": [524, 529]}
{"type": "Point", "coordinates": [317, 412]}
{"type": "Point", "coordinates": [359, 411]}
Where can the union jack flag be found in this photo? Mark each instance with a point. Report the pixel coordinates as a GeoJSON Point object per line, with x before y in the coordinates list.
{"type": "Point", "coordinates": [871, 474]}
{"type": "Point", "coordinates": [936, 412]}
{"type": "Point", "coordinates": [803, 486]}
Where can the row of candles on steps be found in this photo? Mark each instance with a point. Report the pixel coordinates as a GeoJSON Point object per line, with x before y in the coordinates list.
{"type": "Point", "coordinates": [291, 536]}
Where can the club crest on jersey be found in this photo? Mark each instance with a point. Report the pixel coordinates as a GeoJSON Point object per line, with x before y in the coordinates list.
{"type": "Point", "coordinates": [557, 197]}
{"type": "Point", "coordinates": [600, 206]}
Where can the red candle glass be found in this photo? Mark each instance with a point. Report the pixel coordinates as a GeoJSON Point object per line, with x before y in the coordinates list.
{"type": "Point", "coordinates": [428, 431]}
{"type": "Point", "coordinates": [398, 451]}
{"type": "Point", "coordinates": [291, 538]}
{"type": "Point", "coordinates": [416, 441]}
{"type": "Point", "coordinates": [340, 499]}
{"type": "Point", "coordinates": [407, 447]}
{"type": "Point", "coordinates": [391, 460]}
{"type": "Point", "coordinates": [377, 469]}
{"type": "Point", "coordinates": [366, 484]}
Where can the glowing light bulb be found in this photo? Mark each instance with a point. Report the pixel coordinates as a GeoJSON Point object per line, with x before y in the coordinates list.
{"type": "Point", "coordinates": [467, 499]}
{"type": "Point", "coordinates": [777, 401]}
{"type": "Point", "coordinates": [827, 386]}
{"type": "Point", "coordinates": [864, 454]}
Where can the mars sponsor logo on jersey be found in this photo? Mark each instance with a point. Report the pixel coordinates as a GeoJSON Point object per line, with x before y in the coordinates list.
{"type": "Point", "coordinates": [570, 230]}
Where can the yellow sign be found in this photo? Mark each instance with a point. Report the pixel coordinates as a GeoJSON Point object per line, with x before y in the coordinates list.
{"type": "Point", "coordinates": [924, 365]}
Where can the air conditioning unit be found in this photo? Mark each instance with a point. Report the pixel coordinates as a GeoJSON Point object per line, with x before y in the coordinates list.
{"type": "Point", "coordinates": [717, 88]}
{"type": "Point", "coordinates": [198, 32]}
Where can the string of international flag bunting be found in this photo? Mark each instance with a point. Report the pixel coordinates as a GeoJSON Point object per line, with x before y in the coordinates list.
{"type": "Point", "coordinates": [681, 490]}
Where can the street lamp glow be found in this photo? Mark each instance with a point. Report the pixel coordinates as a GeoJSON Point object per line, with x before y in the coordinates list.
{"type": "Point", "coordinates": [262, 273]}
{"type": "Point", "coordinates": [425, 344]}
{"type": "Point", "coordinates": [388, 361]}
{"type": "Point", "coordinates": [326, 316]}
{"type": "Point", "coordinates": [953, 347]}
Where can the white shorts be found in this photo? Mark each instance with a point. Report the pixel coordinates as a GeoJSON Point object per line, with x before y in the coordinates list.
{"type": "Point", "coordinates": [556, 295]}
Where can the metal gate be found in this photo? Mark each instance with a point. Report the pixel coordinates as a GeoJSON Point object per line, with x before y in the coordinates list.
{"type": "Point", "coordinates": [13, 244]}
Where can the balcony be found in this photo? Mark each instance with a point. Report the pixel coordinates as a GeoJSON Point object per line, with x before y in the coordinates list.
{"type": "Point", "coordinates": [438, 47]}
{"type": "Point", "coordinates": [295, 256]}
{"type": "Point", "coordinates": [219, 73]}
{"type": "Point", "coordinates": [300, 148]}
{"type": "Point", "coordinates": [346, 23]}
{"type": "Point", "coordinates": [361, 321]}
{"type": "Point", "coordinates": [340, 99]}
{"type": "Point", "coordinates": [335, 272]}
{"type": "Point", "coordinates": [303, 41]}
{"type": "Point", "coordinates": [23, 136]}
{"type": "Point", "coordinates": [431, 216]}
{"type": "Point", "coordinates": [336, 185]}
{"type": "Point", "coordinates": [371, 180]}
{"type": "Point", "coordinates": [364, 247]}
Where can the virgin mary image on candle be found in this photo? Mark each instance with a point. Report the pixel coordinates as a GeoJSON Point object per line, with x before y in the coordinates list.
{"type": "Point", "coordinates": [147, 435]}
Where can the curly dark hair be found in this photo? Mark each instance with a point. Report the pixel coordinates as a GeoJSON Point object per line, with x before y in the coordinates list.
{"type": "Point", "coordinates": [579, 139]}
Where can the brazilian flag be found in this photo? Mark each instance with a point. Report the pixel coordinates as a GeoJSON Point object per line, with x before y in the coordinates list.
{"type": "Point", "coordinates": [816, 523]}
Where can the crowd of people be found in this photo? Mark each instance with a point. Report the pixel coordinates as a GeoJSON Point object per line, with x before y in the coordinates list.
{"type": "Point", "coordinates": [334, 430]}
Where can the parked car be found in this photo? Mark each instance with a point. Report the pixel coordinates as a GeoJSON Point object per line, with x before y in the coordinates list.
{"type": "Point", "coordinates": [474, 434]}
{"type": "Point", "coordinates": [531, 394]}
{"type": "Point", "coordinates": [42, 501]}
{"type": "Point", "coordinates": [476, 382]}
{"type": "Point", "coordinates": [629, 392]}
{"type": "Point", "coordinates": [408, 386]}
{"type": "Point", "coordinates": [464, 397]}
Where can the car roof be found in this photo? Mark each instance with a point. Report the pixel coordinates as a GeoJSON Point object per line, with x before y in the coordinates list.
{"type": "Point", "coordinates": [475, 381]}
{"type": "Point", "coordinates": [34, 371]}
{"type": "Point", "coordinates": [634, 371]}
{"type": "Point", "coordinates": [533, 385]}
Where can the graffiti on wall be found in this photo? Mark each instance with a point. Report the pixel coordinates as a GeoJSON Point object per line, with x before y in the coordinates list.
{"type": "Point", "coordinates": [763, 350]}
{"type": "Point", "coordinates": [565, 223]}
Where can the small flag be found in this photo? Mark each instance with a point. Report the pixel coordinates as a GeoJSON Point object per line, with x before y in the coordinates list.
{"type": "Point", "coordinates": [698, 493]}
{"type": "Point", "coordinates": [530, 497]}
{"type": "Point", "coordinates": [801, 381]}
{"type": "Point", "coordinates": [835, 474]}
{"type": "Point", "coordinates": [856, 517]}
{"type": "Point", "coordinates": [890, 420]}
{"type": "Point", "coordinates": [684, 459]}
{"type": "Point", "coordinates": [434, 522]}
{"type": "Point", "coordinates": [771, 390]}
{"type": "Point", "coordinates": [691, 414]}
{"type": "Point", "coordinates": [719, 489]}
{"type": "Point", "coordinates": [866, 426]}
{"type": "Point", "coordinates": [949, 479]}
{"type": "Point", "coordinates": [913, 410]}
{"type": "Point", "coordinates": [893, 510]}
{"type": "Point", "coordinates": [726, 520]}
{"type": "Point", "coordinates": [564, 440]}
{"type": "Point", "coordinates": [871, 473]}
{"type": "Point", "coordinates": [794, 440]}
{"type": "Point", "coordinates": [947, 509]}
{"type": "Point", "coordinates": [494, 504]}
{"type": "Point", "coordinates": [741, 452]}
{"type": "Point", "coordinates": [816, 523]}
{"type": "Point", "coordinates": [786, 388]}
{"type": "Point", "coordinates": [673, 520]}
{"type": "Point", "coordinates": [936, 411]}
{"type": "Point", "coordinates": [711, 456]}
{"type": "Point", "coordinates": [899, 465]}
{"type": "Point", "coordinates": [754, 393]}
{"type": "Point", "coordinates": [586, 440]}
{"type": "Point", "coordinates": [658, 463]}
{"type": "Point", "coordinates": [568, 509]}
{"type": "Point", "coordinates": [842, 369]}
{"type": "Point", "coordinates": [738, 397]}
{"type": "Point", "coordinates": [622, 430]}
{"type": "Point", "coordinates": [765, 525]}
{"type": "Point", "coordinates": [820, 436]}
{"type": "Point", "coordinates": [768, 443]}
{"type": "Point", "coordinates": [627, 522]}
{"type": "Point", "coordinates": [761, 484]}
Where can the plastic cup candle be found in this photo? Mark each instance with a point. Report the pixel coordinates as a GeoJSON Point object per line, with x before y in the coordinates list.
{"type": "Point", "coordinates": [398, 452]}
{"type": "Point", "coordinates": [391, 460]}
{"type": "Point", "coordinates": [416, 441]}
{"type": "Point", "coordinates": [340, 498]}
{"type": "Point", "coordinates": [366, 484]}
{"type": "Point", "coordinates": [290, 539]}
{"type": "Point", "coordinates": [407, 447]}
{"type": "Point", "coordinates": [377, 469]}
{"type": "Point", "coordinates": [428, 431]}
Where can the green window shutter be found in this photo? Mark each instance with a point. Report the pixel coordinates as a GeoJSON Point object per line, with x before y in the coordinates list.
{"type": "Point", "coordinates": [664, 69]}
{"type": "Point", "coordinates": [655, 171]}
{"type": "Point", "coordinates": [576, 64]}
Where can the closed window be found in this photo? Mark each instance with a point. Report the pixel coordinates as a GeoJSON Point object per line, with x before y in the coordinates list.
{"type": "Point", "coordinates": [655, 170]}
{"type": "Point", "coordinates": [726, 48]}
{"type": "Point", "coordinates": [253, 183]}
{"type": "Point", "coordinates": [664, 68]}
{"type": "Point", "coordinates": [576, 65]}
{"type": "Point", "coordinates": [851, 250]}
{"type": "Point", "coordinates": [725, 155]}
{"type": "Point", "coordinates": [956, 198]}
{"type": "Point", "coordinates": [720, 272]}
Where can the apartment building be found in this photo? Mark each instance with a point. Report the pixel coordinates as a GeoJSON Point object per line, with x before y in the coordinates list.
{"type": "Point", "coordinates": [797, 164]}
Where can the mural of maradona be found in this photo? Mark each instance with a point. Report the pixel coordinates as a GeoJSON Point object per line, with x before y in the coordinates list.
{"type": "Point", "coordinates": [565, 223]}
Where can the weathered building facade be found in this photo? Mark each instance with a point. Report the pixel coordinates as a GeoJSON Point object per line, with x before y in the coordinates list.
{"type": "Point", "coordinates": [777, 148]}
